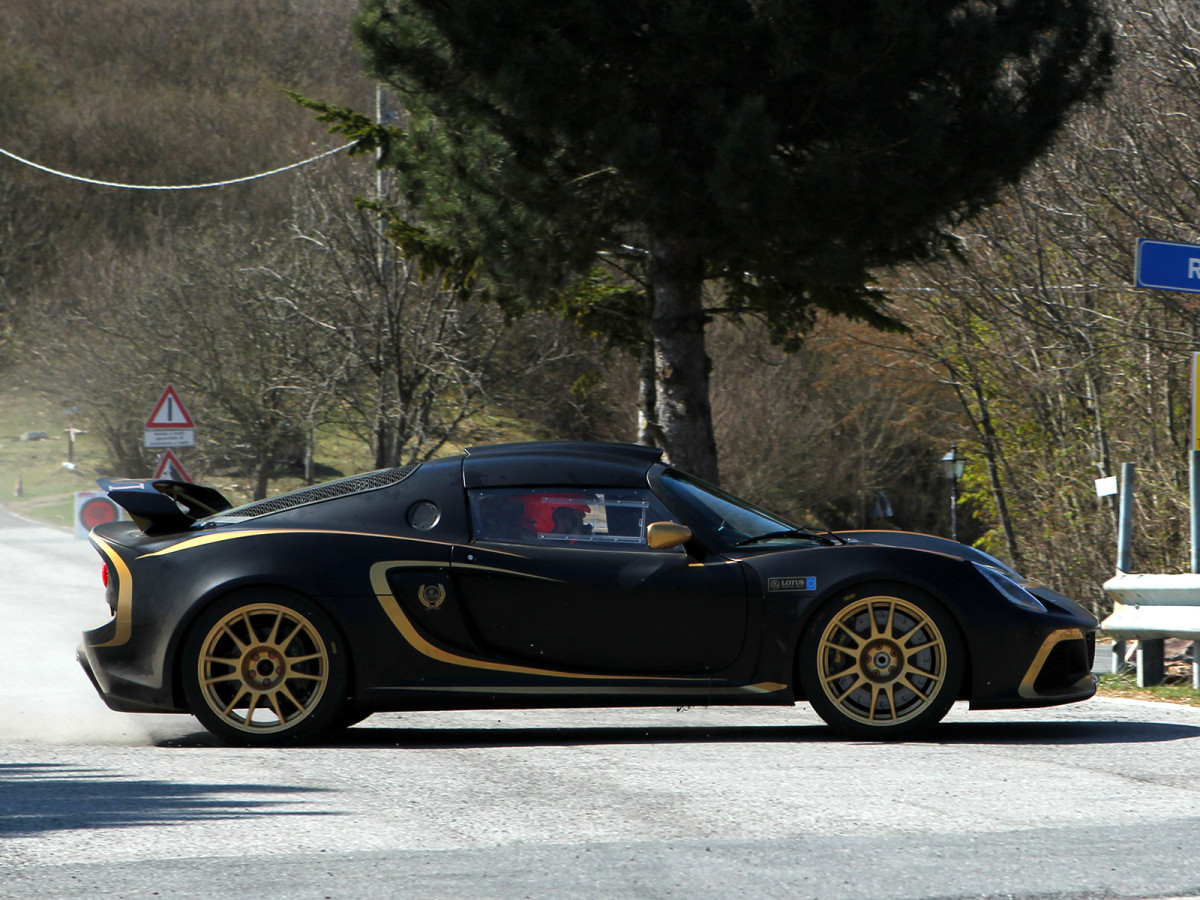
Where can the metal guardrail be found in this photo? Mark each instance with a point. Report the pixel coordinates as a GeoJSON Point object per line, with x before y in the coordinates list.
{"type": "Point", "coordinates": [1146, 607]}
{"type": "Point", "coordinates": [1150, 608]}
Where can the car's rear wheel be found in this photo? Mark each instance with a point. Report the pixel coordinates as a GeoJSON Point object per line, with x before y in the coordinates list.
{"type": "Point", "coordinates": [266, 668]}
{"type": "Point", "coordinates": [882, 662]}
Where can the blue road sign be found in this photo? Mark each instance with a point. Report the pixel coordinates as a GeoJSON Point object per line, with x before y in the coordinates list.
{"type": "Point", "coordinates": [1168, 266]}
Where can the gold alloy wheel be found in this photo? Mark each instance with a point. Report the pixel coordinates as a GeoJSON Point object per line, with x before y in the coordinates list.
{"type": "Point", "coordinates": [882, 661]}
{"type": "Point", "coordinates": [263, 668]}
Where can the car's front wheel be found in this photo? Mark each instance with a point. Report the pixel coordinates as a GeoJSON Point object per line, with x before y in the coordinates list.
{"type": "Point", "coordinates": [265, 668]}
{"type": "Point", "coordinates": [882, 662]}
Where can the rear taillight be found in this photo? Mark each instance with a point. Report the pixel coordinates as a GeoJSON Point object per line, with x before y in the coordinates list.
{"type": "Point", "coordinates": [104, 574]}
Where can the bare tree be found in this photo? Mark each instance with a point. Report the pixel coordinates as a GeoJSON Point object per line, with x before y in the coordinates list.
{"type": "Point", "coordinates": [819, 432]}
{"type": "Point", "coordinates": [412, 347]}
{"type": "Point", "coordinates": [1064, 370]}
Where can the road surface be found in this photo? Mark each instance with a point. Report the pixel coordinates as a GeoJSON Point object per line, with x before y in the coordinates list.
{"type": "Point", "coordinates": [1091, 800]}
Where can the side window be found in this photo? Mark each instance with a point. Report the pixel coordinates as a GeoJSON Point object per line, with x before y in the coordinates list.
{"type": "Point", "coordinates": [595, 518]}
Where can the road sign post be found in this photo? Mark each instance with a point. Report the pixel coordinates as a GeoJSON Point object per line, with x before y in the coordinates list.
{"type": "Point", "coordinates": [1169, 266]}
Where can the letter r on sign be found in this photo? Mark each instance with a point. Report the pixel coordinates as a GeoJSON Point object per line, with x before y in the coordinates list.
{"type": "Point", "coordinates": [1193, 267]}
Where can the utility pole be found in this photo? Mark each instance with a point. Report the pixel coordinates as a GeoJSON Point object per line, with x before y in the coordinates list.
{"type": "Point", "coordinates": [383, 325]}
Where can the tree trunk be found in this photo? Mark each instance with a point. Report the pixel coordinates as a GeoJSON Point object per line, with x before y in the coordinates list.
{"type": "Point", "coordinates": [991, 454]}
{"type": "Point", "coordinates": [648, 432]}
{"type": "Point", "coordinates": [264, 467]}
{"type": "Point", "coordinates": [381, 427]}
{"type": "Point", "coordinates": [310, 462]}
{"type": "Point", "coordinates": [682, 406]}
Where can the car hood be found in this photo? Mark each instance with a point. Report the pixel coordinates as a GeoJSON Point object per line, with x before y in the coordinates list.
{"type": "Point", "coordinates": [915, 541]}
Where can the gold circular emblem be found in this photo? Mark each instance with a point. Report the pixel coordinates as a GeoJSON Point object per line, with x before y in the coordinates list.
{"type": "Point", "coordinates": [432, 596]}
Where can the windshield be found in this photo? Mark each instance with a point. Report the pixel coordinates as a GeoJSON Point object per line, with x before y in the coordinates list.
{"type": "Point", "coordinates": [722, 518]}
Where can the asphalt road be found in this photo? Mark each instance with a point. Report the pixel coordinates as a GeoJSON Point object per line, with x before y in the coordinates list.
{"type": "Point", "coordinates": [1092, 800]}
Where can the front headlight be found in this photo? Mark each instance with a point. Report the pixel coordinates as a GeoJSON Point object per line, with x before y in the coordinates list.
{"type": "Point", "coordinates": [1013, 592]}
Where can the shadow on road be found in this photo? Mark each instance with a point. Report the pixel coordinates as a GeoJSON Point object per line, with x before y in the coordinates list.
{"type": "Point", "coordinates": [42, 797]}
{"type": "Point", "coordinates": [1046, 733]}
{"type": "Point", "coordinates": [1060, 733]}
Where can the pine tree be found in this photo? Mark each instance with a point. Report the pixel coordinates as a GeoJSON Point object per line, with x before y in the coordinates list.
{"type": "Point", "coordinates": [779, 148]}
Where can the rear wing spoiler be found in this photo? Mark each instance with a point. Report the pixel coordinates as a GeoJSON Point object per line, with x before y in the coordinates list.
{"type": "Point", "coordinates": [160, 506]}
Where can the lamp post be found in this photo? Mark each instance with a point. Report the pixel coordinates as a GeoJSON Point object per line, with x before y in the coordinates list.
{"type": "Point", "coordinates": [952, 469]}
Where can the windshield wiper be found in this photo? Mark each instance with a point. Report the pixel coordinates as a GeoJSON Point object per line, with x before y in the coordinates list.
{"type": "Point", "coordinates": [786, 533]}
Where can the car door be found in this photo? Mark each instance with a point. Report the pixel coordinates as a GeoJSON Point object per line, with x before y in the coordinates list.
{"type": "Point", "coordinates": [564, 578]}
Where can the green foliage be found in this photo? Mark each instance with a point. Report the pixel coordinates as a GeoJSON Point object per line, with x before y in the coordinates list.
{"type": "Point", "coordinates": [431, 255]}
{"type": "Point", "coordinates": [605, 308]}
{"type": "Point", "coordinates": [368, 136]}
{"type": "Point", "coordinates": [793, 145]}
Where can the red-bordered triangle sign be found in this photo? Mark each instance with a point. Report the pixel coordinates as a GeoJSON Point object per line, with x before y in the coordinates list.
{"type": "Point", "coordinates": [170, 467]}
{"type": "Point", "coordinates": [170, 412]}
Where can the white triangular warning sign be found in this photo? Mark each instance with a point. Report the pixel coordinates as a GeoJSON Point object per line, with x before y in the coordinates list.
{"type": "Point", "coordinates": [169, 467]}
{"type": "Point", "coordinates": [170, 412]}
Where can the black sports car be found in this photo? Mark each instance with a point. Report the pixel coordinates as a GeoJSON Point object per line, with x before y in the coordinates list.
{"type": "Point", "coordinates": [553, 575]}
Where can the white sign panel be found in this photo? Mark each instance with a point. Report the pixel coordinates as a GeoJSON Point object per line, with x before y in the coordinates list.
{"type": "Point", "coordinates": [174, 437]}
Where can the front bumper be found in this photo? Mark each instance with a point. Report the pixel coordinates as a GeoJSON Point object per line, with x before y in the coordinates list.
{"type": "Point", "coordinates": [1062, 667]}
{"type": "Point", "coordinates": [1059, 672]}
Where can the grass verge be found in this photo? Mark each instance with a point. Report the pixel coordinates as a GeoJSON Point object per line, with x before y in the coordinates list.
{"type": "Point", "coordinates": [41, 469]}
{"type": "Point", "coordinates": [1125, 685]}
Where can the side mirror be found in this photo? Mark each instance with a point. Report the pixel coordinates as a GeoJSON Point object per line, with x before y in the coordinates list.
{"type": "Point", "coordinates": [666, 535]}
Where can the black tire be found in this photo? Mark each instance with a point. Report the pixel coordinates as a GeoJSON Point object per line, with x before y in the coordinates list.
{"type": "Point", "coordinates": [882, 662]}
{"type": "Point", "coordinates": [264, 668]}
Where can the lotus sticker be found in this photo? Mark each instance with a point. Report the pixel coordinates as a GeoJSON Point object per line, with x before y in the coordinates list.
{"type": "Point", "coordinates": [792, 583]}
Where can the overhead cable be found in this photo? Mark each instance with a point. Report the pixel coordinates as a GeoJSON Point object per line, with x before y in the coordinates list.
{"type": "Point", "coordinates": [173, 187]}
